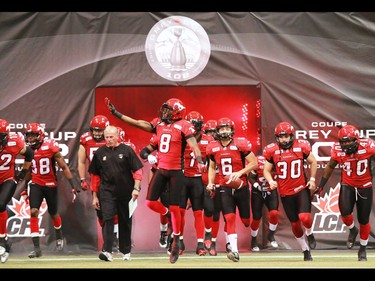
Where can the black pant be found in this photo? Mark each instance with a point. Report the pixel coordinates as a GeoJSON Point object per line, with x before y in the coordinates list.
{"type": "Point", "coordinates": [110, 205]}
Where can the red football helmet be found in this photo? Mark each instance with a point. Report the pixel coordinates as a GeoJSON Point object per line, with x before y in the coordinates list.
{"type": "Point", "coordinates": [284, 128]}
{"type": "Point", "coordinates": [34, 135]}
{"type": "Point", "coordinates": [225, 122]}
{"type": "Point", "coordinates": [121, 134]}
{"type": "Point", "coordinates": [196, 118]}
{"type": "Point", "coordinates": [97, 126]}
{"type": "Point", "coordinates": [4, 133]}
{"type": "Point", "coordinates": [172, 109]}
{"type": "Point", "coordinates": [348, 139]}
{"type": "Point", "coordinates": [210, 127]}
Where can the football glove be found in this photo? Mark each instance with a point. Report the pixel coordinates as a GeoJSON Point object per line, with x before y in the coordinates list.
{"type": "Point", "coordinates": [152, 159]}
{"type": "Point", "coordinates": [318, 191]}
{"type": "Point", "coordinates": [25, 195]}
{"type": "Point", "coordinates": [84, 185]}
{"type": "Point", "coordinates": [112, 108]}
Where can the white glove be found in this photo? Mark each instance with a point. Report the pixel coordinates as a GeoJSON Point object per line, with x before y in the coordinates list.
{"type": "Point", "coordinates": [152, 159]}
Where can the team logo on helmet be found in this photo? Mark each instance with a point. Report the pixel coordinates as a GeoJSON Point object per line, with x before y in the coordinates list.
{"type": "Point", "coordinates": [177, 48]}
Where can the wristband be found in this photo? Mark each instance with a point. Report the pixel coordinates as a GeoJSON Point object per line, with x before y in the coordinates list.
{"type": "Point", "coordinates": [200, 160]}
{"type": "Point", "coordinates": [256, 185]}
{"type": "Point", "coordinates": [71, 183]}
{"type": "Point", "coordinates": [117, 114]}
{"type": "Point", "coordinates": [312, 179]}
{"type": "Point", "coordinates": [83, 179]}
{"type": "Point", "coordinates": [137, 188]}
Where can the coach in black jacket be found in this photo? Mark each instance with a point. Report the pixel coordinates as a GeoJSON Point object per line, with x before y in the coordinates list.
{"type": "Point", "coordinates": [117, 171]}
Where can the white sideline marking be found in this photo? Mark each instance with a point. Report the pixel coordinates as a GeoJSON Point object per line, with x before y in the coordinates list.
{"type": "Point", "coordinates": [254, 257]}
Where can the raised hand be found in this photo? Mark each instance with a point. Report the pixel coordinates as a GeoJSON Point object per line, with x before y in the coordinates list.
{"type": "Point", "coordinates": [112, 108]}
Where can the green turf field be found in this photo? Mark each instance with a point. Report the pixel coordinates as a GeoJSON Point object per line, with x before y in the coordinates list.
{"type": "Point", "coordinates": [345, 259]}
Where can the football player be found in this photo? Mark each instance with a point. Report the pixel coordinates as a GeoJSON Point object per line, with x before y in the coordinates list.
{"type": "Point", "coordinates": [353, 155]}
{"type": "Point", "coordinates": [43, 183]}
{"type": "Point", "coordinates": [228, 155]}
{"type": "Point", "coordinates": [287, 156]}
{"type": "Point", "coordinates": [11, 145]}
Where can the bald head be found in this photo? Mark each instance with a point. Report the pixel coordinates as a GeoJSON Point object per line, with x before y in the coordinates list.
{"type": "Point", "coordinates": [111, 136]}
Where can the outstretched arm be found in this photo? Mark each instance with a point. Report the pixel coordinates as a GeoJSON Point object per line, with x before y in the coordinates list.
{"type": "Point", "coordinates": [140, 124]}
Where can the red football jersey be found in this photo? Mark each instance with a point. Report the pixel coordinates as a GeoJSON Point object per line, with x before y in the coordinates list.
{"type": "Point", "coordinates": [289, 165]}
{"type": "Point", "coordinates": [44, 165]}
{"type": "Point", "coordinates": [355, 167]}
{"type": "Point", "coordinates": [191, 163]}
{"type": "Point", "coordinates": [16, 143]}
{"type": "Point", "coordinates": [229, 158]}
{"type": "Point", "coordinates": [172, 142]}
{"type": "Point", "coordinates": [90, 145]}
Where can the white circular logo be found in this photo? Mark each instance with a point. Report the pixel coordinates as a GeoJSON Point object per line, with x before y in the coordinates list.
{"type": "Point", "coordinates": [177, 48]}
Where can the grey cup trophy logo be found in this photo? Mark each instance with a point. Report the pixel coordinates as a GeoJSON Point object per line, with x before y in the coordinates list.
{"type": "Point", "coordinates": [177, 48]}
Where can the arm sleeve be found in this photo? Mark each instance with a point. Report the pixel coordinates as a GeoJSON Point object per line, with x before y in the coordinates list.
{"type": "Point", "coordinates": [29, 154]}
{"type": "Point", "coordinates": [95, 182]}
{"type": "Point", "coordinates": [137, 175]}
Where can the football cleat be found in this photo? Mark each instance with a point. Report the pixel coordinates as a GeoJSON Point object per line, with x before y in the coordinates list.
{"type": "Point", "coordinates": [207, 240]}
{"type": "Point", "coordinates": [254, 244]}
{"type": "Point", "coordinates": [4, 257]}
{"type": "Point", "coordinates": [307, 255]}
{"type": "Point", "coordinates": [312, 241]}
{"type": "Point", "coordinates": [234, 256]}
{"type": "Point", "coordinates": [163, 239]}
{"type": "Point", "coordinates": [182, 246]}
{"type": "Point", "coordinates": [59, 244]}
{"type": "Point", "coordinates": [200, 249]}
{"type": "Point", "coordinates": [175, 249]}
{"type": "Point", "coordinates": [272, 239]}
{"type": "Point", "coordinates": [352, 236]}
{"type": "Point", "coordinates": [35, 254]}
{"type": "Point", "coordinates": [212, 250]}
{"type": "Point", "coordinates": [228, 248]}
{"type": "Point", "coordinates": [169, 244]}
{"type": "Point", "coordinates": [7, 245]}
{"type": "Point", "coordinates": [362, 253]}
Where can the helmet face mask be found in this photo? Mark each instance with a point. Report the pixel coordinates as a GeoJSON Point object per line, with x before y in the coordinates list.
{"type": "Point", "coordinates": [34, 135]}
{"type": "Point", "coordinates": [4, 133]}
{"type": "Point", "coordinates": [172, 110]}
{"type": "Point", "coordinates": [3, 140]}
{"type": "Point", "coordinates": [284, 129]}
{"type": "Point", "coordinates": [227, 134]}
{"type": "Point", "coordinates": [166, 113]}
{"type": "Point", "coordinates": [97, 126]}
{"type": "Point", "coordinates": [348, 139]}
{"type": "Point", "coordinates": [209, 128]}
{"type": "Point", "coordinates": [196, 119]}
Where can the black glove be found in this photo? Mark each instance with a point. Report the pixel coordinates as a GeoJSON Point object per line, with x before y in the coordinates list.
{"type": "Point", "coordinates": [84, 185]}
{"type": "Point", "coordinates": [264, 190]}
{"type": "Point", "coordinates": [318, 191]}
{"type": "Point", "coordinates": [21, 175]}
{"type": "Point", "coordinates": [112, 108]}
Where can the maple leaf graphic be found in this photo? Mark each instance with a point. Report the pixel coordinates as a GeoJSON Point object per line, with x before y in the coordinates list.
{"type": "Point", "coordinates": [329, 203]}
{"type": "Point", "coordinates": [21, 209]}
